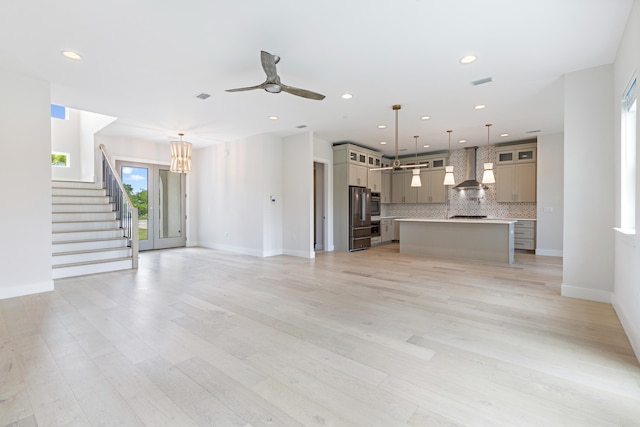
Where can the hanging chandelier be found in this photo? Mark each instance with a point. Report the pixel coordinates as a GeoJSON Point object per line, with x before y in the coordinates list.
{"type": "Point", "coordinates": [180, 156]}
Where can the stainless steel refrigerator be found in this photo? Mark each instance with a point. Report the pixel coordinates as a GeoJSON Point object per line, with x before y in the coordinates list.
{"type": "Point", "coordinates": [359, 218]}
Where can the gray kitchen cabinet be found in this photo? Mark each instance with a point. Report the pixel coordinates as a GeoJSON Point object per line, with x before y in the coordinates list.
{"type": "Point", "coordinates": [358, 175]}
{"type": "Point", "coordinates": [516, 183]}
{"type": "Point", "coordinates": [432, 190]}
{"type": "Point", "coordinates": [386, 230]}
{"type": "Point", "coordinates": [401, 190]}
{"type": "Point", "coordinates": [516, 173]}
{"type": "Point", "coordinates": [385, 193]}
{"type": "Point", "coordinates": [524, 233]}
{"type": "Point", "coordinates": [374, 181]}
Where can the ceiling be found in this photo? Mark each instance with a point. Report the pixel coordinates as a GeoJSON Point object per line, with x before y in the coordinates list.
{"type": "Point", "coordinates": [145, 61]}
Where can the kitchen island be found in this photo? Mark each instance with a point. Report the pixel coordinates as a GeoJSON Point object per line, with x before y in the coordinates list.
{"type": "Point", "coordinates": [473, 239]}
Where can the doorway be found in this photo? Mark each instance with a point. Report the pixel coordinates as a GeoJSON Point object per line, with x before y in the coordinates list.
{"type": "Point", "coordinates": [159, 195]}
{"type": "Point", "coordinates": [319, 207]}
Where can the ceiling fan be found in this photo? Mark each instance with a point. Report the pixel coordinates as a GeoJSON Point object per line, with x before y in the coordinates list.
{"type": "Point", "coordinates": [273, 84]}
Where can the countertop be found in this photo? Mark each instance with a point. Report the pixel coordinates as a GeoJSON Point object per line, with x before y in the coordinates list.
{"type": "Point", "coordinates": [460, 220]}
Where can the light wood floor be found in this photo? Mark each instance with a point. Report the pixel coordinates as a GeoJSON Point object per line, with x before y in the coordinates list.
{"type": "Point", "coordinates": [372, 338]}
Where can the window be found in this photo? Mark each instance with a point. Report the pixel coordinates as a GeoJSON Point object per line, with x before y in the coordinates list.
{"type": "Point", "coordinates": [60, 160]}
{"type": "Point", "coordinates": [628, 161]}
{"type": "Point", "coordinates": [59, 112]}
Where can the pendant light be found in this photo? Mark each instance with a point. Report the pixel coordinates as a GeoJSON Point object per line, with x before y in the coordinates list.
{"type": "Point", "coordinates": [415, 179]}
{"type": "Point", "coordinates": [448, 170]}
{"type": "Point", "coordinates": [487, 175]}
{"type": "Point", "coordinates": [180, 156]}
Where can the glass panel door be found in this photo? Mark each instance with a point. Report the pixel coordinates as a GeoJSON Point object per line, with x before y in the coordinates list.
{"type": "Point", "coordinates": [170, 210]}
{"type": "Point", "coordinates": [159, 195]}
{"type": "Point", "coordinates": [136, 181]}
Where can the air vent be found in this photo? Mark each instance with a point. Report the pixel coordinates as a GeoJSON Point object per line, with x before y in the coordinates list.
{"type": "Point", "coordinates": [533, 131]}
{"type": "Point", "coordinates": [482, 81]}
{"type": "Point", "coordinates": [203, 95]}
{"type": "Point", "coordinates": [301, 126]}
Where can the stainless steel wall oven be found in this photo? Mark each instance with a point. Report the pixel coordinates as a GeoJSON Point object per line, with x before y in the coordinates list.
{"type": "Point", "coordinates": [375, 204]}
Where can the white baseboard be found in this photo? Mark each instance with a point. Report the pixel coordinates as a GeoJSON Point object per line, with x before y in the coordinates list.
{"type": "Point", "coordinates": [272, 253]}
{"type": "Point", "coordinates": [30, 289]}
{"type": "Point", "coordinates": [549, 252]}
{"type": "Point", "coordinates": [633, 333]}
{"type": "Point", "coordinates": [586, 293]}
{"type": "Point", "coordinates": [301, 254]}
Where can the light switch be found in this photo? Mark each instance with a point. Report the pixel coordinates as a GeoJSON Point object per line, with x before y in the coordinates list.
{"type": "Point", "coordinates": [547, 209]}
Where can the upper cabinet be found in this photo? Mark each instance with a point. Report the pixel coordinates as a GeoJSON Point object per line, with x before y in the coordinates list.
{"type": "Point", "coordinates": [432, 189]}
{"type": "Point", "coordinates": [520, 154]}
{"type": "Point", "coordinates": [516, 173]}
{"type": "Point", "coordinates": [356, 162]}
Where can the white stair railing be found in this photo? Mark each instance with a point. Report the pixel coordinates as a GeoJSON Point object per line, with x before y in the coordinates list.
{"type": "Point", "coordinates": [126, 212]}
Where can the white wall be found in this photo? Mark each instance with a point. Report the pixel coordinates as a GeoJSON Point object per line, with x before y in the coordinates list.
{"type": "Point", "coordinates": [65, 139]}
{"type": "Point", "coordinates": [298, 195]}
{"type": "Point", "coordinates": [626, 299]}
{"type": "Point", "coordinates": [76, 137]}
{"type": "Point", "coordinates": [233, 186]}
{"type": "Point", "coordinates": [589, 184]}
{"type": "Point", "coordinates": [550, 196]}
{"type": "Point", "coordinates": [25, 249]}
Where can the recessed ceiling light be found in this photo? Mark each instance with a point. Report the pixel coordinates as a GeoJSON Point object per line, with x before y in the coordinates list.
{"type": "Point", "coordinates": [462, 141]}
{"type": "Point", "coordinates": [382, 126]}
{"type": "Point", "coordinates": [273, 117]}
{"type": "Point", "coordinates": [504, 134]}
{"type": "Point", "coordinates": [480, 107]}
{"type": "Point", "coordinates": [425, 117]}
{"type": "Point", "coordinates": [203, 95]}
{"type": "Point", "coordinates": [533, 131]}
{"type": "Point", "coordinates": [69, 54]}
{"type": "Point", "coordinates": [383, 142]}
{"type": "Point", "coordinates": [347, 96]}
{"type": "Point", "coordinates": [426, 146]}
{"type": "Point", "coordinates": [467, 59]}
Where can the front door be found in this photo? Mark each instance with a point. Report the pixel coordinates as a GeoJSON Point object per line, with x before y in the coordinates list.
{"type": "Point", "coordinates": [159, 196]}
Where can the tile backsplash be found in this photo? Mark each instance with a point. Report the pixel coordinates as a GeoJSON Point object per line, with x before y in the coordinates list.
{"type": "Point", "coordinates": [465, 202]}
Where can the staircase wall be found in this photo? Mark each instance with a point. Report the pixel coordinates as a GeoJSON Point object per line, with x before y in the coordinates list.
{"type": "Point", "coordinates": [25, 210]}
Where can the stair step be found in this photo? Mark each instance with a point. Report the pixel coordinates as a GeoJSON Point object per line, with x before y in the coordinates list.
{"type": "Point", "coordinates": [82, 216]}
{"type": "Point", "coordinates": [87, 245]}
{"type": "Point", "coordinates": [75, 184]}
{"type": "Point", "coordinates": [63, 191]}
{"type": "Point", "coordinates": [85, 225]}
{"type": "Point", "coordinates": [84, 268]}
{"type": "Point", "coordinates": [76, 235]}
{"type": "Point", "coordinates": [90, 255]}
{"type": "Point", "coordinates": [77, 207]}
{"type": "Point", "coordinates": [83, 200]}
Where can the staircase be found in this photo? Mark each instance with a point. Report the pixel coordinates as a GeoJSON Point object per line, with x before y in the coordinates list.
{"type": "Point", "coordinates": [87, 237]}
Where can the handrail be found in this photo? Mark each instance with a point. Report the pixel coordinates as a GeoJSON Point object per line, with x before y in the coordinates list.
{"type": "Point", "coordinates": [126, 211]}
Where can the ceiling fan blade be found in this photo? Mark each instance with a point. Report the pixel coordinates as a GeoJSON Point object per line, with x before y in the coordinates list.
{"type": "Point", "coordinates": [242, 89]}
{"type": "Point", "coordinates": [269, 65]}
{"type": "Point", "coordinates": [302, 92]}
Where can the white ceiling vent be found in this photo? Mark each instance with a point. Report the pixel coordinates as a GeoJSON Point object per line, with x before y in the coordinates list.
{"type": "Point", "coordinates": [482, 81]}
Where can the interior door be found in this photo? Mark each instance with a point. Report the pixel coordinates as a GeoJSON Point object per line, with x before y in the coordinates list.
{"type": "Point", "coordinates": [159, 196]}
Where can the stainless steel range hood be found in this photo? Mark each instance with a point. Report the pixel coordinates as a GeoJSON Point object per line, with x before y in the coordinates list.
{"type": "Point", "coordinates": [470, 182]}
